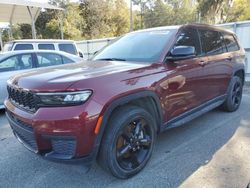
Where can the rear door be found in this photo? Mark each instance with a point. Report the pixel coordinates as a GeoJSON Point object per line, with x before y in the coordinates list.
{"type": "Point", "coordinates": [217, 70]}
{"type": "Point", "coordinates": [234, 55]}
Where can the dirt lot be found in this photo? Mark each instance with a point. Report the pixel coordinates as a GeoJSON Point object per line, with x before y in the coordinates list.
{"type": "Point", "coordinates": [211, 151]}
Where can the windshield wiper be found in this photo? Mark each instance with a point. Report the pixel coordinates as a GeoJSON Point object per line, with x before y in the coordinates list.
{"type": "Point", "coordinates": [110, 59]}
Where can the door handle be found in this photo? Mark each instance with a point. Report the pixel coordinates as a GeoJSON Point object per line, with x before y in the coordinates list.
{"type": "Point", "coordinates": [203, 63]}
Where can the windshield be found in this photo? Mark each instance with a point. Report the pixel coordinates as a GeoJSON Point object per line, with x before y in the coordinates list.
{"type": "Point", "coordinates": [139, 46]}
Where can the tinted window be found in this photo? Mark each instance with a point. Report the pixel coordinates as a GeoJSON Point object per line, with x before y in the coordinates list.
{"type": "Point", "coordinates": [24, 47]}
{"type": "Point", "coordinates": [230, 42]}
{"type": "Point", "coordinates": [46, 47]}
{"type": "Point", "coordinates": [66, 60]}
{"type": "Point", "coordinates": [139, 46]}
{"type": "Point", "coordinates": [17, 62]}
{"type": "Point", "coordinates": [69, 48]}
{"type": "Point", "coordinates": [48, 59]}
{"type": "Point", "coordinates": [189, 37]}
{"type": "Point", "coordinates": [212, 42]}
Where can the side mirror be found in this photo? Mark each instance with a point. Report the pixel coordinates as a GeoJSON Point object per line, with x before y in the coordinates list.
{"type": "Point", "coordinates": [95, 52]}
{"type": "Point", "coordinates": [181, 52]}
{"type": "Point", "coordinates": [80, 54]}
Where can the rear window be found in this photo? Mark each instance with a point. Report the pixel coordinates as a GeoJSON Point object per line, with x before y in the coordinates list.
{"type": "Point", "coordinates": [69, 48]}
{"type": "Point", "coordinates": [212, 42]}
{"type": "Point", "coordinates": [46, 47]}
{"type": "Point", "coordinates": [230, 42]}
{"type": "Point", "coordinates": [24, 47]}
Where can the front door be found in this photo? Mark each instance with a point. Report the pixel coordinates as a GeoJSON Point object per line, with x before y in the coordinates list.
{"type": "Point", "coordinates": [183, 87]}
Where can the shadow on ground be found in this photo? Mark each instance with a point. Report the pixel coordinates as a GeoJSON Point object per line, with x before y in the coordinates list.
{"type": "Point", "coordinates": [178, 154]}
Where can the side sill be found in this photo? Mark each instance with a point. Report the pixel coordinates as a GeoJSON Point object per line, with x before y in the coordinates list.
{"type": "Point", "coordinates": [194, 113]}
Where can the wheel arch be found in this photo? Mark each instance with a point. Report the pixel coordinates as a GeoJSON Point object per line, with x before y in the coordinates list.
{"type": "Point", "coordinates": [241, 74]}
{"type": "Point", "coordinates": [144, 99]}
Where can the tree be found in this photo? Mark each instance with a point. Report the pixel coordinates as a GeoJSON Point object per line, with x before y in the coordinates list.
{"type": "Point", "coordinates": [120, 18]}
{"type": "Point", "coordinates": [214, 11]}
{"type": "Point", "coordinates": [71, 21]}
{"type": "Point", "coordinates": [239, 11]}
{"type": "Point", "coordinates": [104, 18]}
{"type": "Point", "coordinates": [94, 15]}
{"type": "Point", "coordinates": [90, 19]}
{"type": "Point", "coordinates": [163, 13]}
{"type": "Point", "coordinates": [48, 22]}
{"type": "Point", "coordinates": [221, 11]}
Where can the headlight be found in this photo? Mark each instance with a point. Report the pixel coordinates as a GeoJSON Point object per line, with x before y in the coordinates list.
{"type": "Point", "coordinates": [63, 99]}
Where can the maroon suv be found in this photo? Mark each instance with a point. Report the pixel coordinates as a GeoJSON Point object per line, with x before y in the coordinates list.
{"type": "Point", "coordinates": [111, 108]}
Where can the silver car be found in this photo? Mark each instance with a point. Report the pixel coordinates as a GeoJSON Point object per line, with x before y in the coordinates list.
{"type": "Point", "coordinates": [15, 62]}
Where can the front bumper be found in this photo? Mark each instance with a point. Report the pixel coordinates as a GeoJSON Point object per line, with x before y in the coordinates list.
{"type": "Point", "coordinates": [55, 133]}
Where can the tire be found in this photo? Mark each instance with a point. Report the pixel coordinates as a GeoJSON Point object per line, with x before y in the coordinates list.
{"type": "Point", "coordinates": [117, 154]}
{"type": "Point", "coordinates": [234, 95]}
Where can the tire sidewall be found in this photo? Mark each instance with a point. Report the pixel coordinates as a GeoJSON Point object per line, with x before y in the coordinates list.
{"type": "Point", "coordinates": [229, 104]}
{"type": "Point", "coordinates": [115, 167]}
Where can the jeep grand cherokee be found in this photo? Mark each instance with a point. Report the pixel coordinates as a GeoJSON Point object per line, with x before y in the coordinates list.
{"type": "Point", "coordinates": [111, 108]}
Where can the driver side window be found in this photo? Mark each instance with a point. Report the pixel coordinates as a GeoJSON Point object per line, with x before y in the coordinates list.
{"type": "Point", "coordinates": [16, 62]}
{"type": "Point", "coordinates": [189, 37]}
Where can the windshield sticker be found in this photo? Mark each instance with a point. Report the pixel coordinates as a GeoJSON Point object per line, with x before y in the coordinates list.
{"type": "Point", "coordinates": [159, 33]}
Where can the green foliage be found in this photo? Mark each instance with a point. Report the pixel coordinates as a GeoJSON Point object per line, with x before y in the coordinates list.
{"type": "Point", "coordinates": [89, 19]}
{"type": "Point", "coordinates": [239, 11]}
{"type": "Point", "coordinates": [221, 11]}
{"type": "Point", "coordinates": [104, 18]}
{"type": "Point", "coordinates": [17, 33]}
{"type": "Point", "coordinates": [48, 23]}
{"type": "Point", "coordinates": [169, 13]}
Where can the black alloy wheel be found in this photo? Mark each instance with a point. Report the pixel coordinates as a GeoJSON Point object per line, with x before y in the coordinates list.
{"type": "Point", "coordinates": [234, 95]}
{"type": "Point", "coordinates": [237, 94]}
{"type": "Point", "coordinates": [128, 141]}
{"type": "Point", "coordinates": [133, 144]}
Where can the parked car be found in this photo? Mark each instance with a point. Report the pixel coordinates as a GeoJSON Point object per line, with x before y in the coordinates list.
{"type": "Point", "coordinates": [12, 63]}
{"type": "Point", "coordinates": [112, 107]}
{"type": "Point", "coordinates": [68, 46]}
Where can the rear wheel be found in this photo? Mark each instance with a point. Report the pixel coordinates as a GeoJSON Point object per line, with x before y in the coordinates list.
{"type": "Point", "coordinates": [128, 142]}
{"type": "Point", "coordinates": [234, 95]}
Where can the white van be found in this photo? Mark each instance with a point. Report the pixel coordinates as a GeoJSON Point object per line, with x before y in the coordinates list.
{"type": "Point", "coordinates": [68, 46]}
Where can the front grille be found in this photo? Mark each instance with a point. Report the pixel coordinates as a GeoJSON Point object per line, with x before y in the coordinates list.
{"type": "Point", "coordinates": [20, 122]}
{"type": "Point", "coordinates": [23, 131]}
{"type": "Point", "coordinates": [64, 147]}
{"type": "Point", "coordinates": [23, 99]}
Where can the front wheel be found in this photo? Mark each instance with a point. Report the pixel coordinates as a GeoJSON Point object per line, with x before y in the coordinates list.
{"type": "Point", "coordinates": [234, 95]}
{"type": "Point", "coordinates": [128, 142]}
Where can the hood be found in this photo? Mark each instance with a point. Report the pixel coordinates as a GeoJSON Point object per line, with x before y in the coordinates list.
{"type": "Point", "coordinates": [59, 78]}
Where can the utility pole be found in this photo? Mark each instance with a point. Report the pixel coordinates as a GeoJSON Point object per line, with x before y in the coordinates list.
{"type": "Point", "coordinates": [1, 40]}
{"type": "Point", "coordinates": [33, 26]}
{"type": "Point", "coordinates": [61, 24]}
{"type": "Point", "coordinates": [131, 16]}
